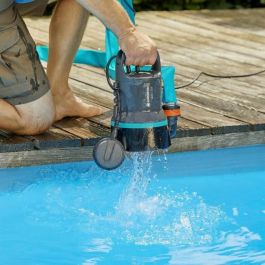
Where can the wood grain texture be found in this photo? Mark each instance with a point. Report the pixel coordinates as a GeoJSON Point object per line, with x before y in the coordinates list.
{"type": "Point", "coordinates": [219, 42]}
{"type": "Point", "coordinates": [217, 141]}
{"type": "Point", "coordinates": [75, 154]}
{"type": "Point", "coordinates": [41, 157]}
{"type": "Point", "coordinates": [13, 143]}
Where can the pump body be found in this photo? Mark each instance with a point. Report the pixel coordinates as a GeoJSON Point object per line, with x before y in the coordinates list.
{"type": "Point", "coordinates": [142, 124]}
{"type": "Point", "coordinates": [141, 121]}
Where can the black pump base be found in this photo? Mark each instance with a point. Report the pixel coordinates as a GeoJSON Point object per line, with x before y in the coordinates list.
{"type": "Point", "coordinates": [139, 140]}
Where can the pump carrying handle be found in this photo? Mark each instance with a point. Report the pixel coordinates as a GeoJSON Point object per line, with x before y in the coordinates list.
{"type": "Point", "coordinates": [121, 58]}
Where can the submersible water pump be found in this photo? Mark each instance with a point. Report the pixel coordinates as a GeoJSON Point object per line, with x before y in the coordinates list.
{"type": "Point", "coordinates": [138, 122]}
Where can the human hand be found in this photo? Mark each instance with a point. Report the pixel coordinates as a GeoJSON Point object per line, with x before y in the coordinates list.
{"type": "Point", "coordinates": [139, 49]}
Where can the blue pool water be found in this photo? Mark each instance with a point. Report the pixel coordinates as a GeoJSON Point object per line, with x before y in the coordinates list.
{"type": "Point", "coordinates": [190, 208]}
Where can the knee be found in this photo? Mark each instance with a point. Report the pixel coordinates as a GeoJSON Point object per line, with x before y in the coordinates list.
{"type": "Point", "coordinates": [36, 117]}
{"type": "Point", "coordinates": [33, 127]}
{"type": "Point", "coordinates": [29, 125]}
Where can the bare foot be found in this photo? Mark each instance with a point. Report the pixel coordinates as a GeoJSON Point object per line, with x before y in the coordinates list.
{"type": "Point", "coordinates": [69, 105]}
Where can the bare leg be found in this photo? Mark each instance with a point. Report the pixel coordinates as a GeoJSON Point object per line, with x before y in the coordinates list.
{"type": "Point", "coordinates": [10, 118]}
{"type": "Point", "coordinates": [66, 31]}
{"type": "Point", "coordinates": [27, 119]}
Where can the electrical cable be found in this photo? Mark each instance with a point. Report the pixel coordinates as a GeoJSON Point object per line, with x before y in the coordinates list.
{"type": "Point", "coordinates": [117, 106]}
{"type": "Point", "coordinates": [219, 76]}
{"type": "Point", "coordinates": [201, 73]}
{"type": "Point", "coordinates": [107, 71]}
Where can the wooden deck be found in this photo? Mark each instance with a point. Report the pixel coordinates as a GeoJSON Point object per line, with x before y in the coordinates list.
{"type": "Point", "coordinates": [215, 113]}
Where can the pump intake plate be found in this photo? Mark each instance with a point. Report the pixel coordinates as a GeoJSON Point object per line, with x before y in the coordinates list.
{"type": "Point", "coordinates": [109, 153]}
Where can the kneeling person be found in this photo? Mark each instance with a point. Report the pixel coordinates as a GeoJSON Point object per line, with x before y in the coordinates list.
{"type": "Point", "coordinates": [26, 103]}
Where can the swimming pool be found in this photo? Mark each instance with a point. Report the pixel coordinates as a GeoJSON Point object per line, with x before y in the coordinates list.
{"type": "Point", "coordinates": [204, 207]}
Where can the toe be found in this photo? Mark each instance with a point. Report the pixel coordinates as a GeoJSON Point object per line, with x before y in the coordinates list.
{"type": "Point", "coordinates": [90, 111]}
{"type": "Point", "coordinates": [97, 111]}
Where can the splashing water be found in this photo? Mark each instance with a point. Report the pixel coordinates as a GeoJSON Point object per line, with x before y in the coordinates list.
{"type": "Point", "coordinates": [164, 216]}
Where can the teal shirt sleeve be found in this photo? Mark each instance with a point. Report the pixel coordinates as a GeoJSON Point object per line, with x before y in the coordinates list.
{"type": "Point", "coordinates": [23, 1]}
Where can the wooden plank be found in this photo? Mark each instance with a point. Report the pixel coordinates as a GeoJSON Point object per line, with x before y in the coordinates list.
{"type": "Point", "coordinates": [235, 96]}
{"type": "Point", "coordinates": [224, 107]}
{"type": "Point", "coordinates": [55, 138]}
{"type": "Point", "coordinates": [74, 154]}
{"type": "Point", "coordinates": [212, 31]}
{"type": "Point", "coordinates": [93, 94]}
{"type": "Point", "coordinates": [217, 141]}
{"type": "Point", "coordinates": [194, 34]}
{"type": "Point", "coordinates": [41, 157]}
{"type": "Point", "coordinates": [88, 131]}
{"type": "Point", "coordinates": [13, 143]}
{"type": "Point", "coordinates": [248, 20]}
{"type": "Point", "coordinates": [218, 123]}
{"type": "Point", "coordinates": [188, 128]}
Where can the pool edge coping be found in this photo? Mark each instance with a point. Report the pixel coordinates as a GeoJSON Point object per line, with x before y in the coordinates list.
{"type": "Point", "coordinates": [77, 154]}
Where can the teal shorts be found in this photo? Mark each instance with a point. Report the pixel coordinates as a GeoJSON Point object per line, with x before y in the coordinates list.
{"type": "Point", "coordinates": [22, 77]}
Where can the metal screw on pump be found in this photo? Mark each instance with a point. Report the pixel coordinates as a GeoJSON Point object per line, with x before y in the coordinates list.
{"type": "Point", "coordinates": [138, 122]}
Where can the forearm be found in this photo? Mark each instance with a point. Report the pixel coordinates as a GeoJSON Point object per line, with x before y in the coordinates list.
{"type": "Point", "coordinates": [111, 14]}
{"type": "Point", "coordinates": [139, 48]}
